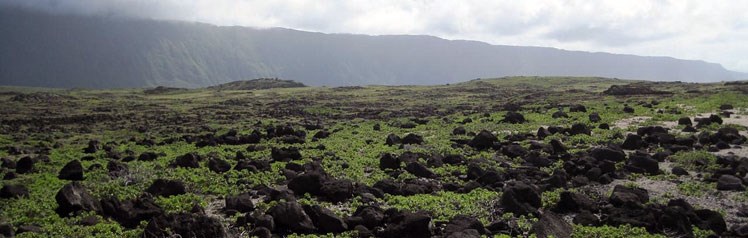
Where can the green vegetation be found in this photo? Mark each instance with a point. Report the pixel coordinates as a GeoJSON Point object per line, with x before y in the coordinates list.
{"type": "Point", "coordinates": [699, 160]}
{"type": "Point", "coordinates": [255, 84]}
{"type": "Point", "coordinates": [623, 231]}
{"type": "Point", "coordinates": [132, 122]}
{"type": "Point", "coordinates": [445, 205]}
{"type": "Point", "coordinates": [695, 188]}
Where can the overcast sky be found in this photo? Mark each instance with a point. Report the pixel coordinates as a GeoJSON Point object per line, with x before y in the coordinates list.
{"type": "Point", "coordinates": [710, 30]}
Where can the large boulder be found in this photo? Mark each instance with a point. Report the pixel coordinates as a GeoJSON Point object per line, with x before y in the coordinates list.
{"type": "Point", "coordinates": [520, 198]}
{"type": "Point", "coordinates": [461, 223]}
{"type": "Point", "coordinates": [73, 170]}
{"type": "Point", "coordinates": [189, 160]}
{"type": "Point", "coordinates": [730, 182]}
{"type": "Point", "coordinates": [419, 170]}
{"type": "Point", "coordinates": [130, 213]}
{"type": "Point", "coordinates": [607, 153]}
{"type": "Point", "coordinates": [552, 225]}
{"type": "Point", "coordinates": [514, 118]}
{"type": "Point", "coordinates": [166, 188]}
{"type": "Point", "coordinates": [218, 165]}
{"type": "Point", "coordinates": [729, 135]}
{"type": "Point", "coordinates": [368, 216]}
{"type": "Point", "coordinates": [325, 220]}
{"type": "Point", "coordinates": [337, 190]}
{"type": "Point", "coordinates": [389, 161]}
{"type": "Point", "coordinates": [285, 154]}
{"type": "Point", "coordinates": [73, 198]}
{"type": "Point", "coordinates": [623, 196]}
{"type": "Point", "coordinates": [685, 121]}
{"type": "Point", "coordinates": [577, 108]}
{"type": "Point", "coordinates": [644, 163]}
{"type": "Point", "coordinates": [632, 142]}
{"type": "Point", "coordinates": [310, 182]}
{"type": "Point", "coordinates": [25, 165]}
{"type": "Point", "coordinates": [411, 138]}
{"type": "Point", "coordinates": [711, 220]}
{"type": "Point", "coordinates": [392, 139]}
{"type": "Point", "coordinates": [574, 202]}
{"type": "Point", "coordinates": [14, 191]}
{"type": "Point", "coordinates": [184, 225]}
{"type": "Point", "coordinates": [409, 225]}
{"type": "Point", "coordinates": [93, 147]}
{"type": "Point", "coordinates": [239, 203]}
{"type": "Point", "coordinates": [483, 140]}
{"type": "Point", "coordinates": [290, 216]}
{"type": "Point", "coordinates": [580, 128]}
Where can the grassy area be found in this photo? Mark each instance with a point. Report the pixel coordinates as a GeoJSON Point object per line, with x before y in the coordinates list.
{"type": "Point", "coordinates": [133, 122]}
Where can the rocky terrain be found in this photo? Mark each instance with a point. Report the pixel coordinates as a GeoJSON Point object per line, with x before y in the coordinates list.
{"type": "Point", "coordinates": [508, 157]}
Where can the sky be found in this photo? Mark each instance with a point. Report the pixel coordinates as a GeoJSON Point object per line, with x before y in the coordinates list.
{"type": "Point", "coordinates": [714, 30]}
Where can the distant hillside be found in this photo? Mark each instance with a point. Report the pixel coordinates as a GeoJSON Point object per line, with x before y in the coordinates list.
{"type": "Point", "coordinates": [263, 83]}
{"type": "Point", "coordinates": [39, 49]}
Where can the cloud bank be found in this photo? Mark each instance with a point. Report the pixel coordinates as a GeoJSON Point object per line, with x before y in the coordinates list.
{"type": "Point", "coordinates": [715, 31]}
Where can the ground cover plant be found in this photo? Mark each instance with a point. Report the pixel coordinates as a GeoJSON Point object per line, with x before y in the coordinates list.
{"type": "Point", "coordinates": [507, 157]}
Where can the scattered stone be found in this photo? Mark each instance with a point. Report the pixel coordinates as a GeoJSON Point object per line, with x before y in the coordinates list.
{"type": "Point", "coordinates": [73, 198]}
{"type": "Point", "coordinates": [520, 198]}
{"type": "Point", "coordinates": [73, 170]}
{"type": "Point", "coordinates": [285, 154]}
{"type": "Point", "coordinates": [14, 191]}
{"type": "Point", "coordinates": [166, 188]}
{"type": "Point", "coordinates": [632, 142]}
{"type": "Point", "coordinates": [574, 202]}
{"type": "Point", "coordinates": [685, 121]}
{"type": "Point", "coordinates": [409, 225]}
{"type": "Point", "coordinates": [239, 203]}
{"type": "Point", "coordinates": [483, 140]}
{"type": "Point", "coordinates": [461, 223]}
{"type": "Point", "coordinates": [392, 139]}
{"type": "Point", "coordinates": [290, 216]}
{"type": "Point", "coordinates": [730, 182]}
{"type": "Point", "coordinates": [628, 109]}
{"type": "Point", "coordinates": [623, 196]}
{"type": "Point", "coordinates": [419, 170]}
{"type": "Point", "coordinates": [189, 160]}
{"type": "Point", "coordinates": [93, 147]}
{"type": "Point", "coordinates": [514, 118]}
{"type": "Point", "coordinates": [411, 139]}
{"type": "Point", "coordinates": [679, 171]}
{"type": "Point", "coordinates": [607, 153]}
{"type": "Point", "coordinates": [184, 225]}
{"type": "Point", "coordinates": [130, 213]}
{"type": "Point", "coordinates": [25, 165]}
{"type": "Point", "coordinates": [218, 165]}
{"type": "Point", "coordinates": [551, 225]}
{"type": "Point", "coordinates": [325, 220]}
{"type": "Point", "coordinates": [459, 131]}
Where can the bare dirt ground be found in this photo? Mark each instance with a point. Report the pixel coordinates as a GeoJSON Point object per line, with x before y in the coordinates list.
{"type": "Point", "coordinates": [626, 122]}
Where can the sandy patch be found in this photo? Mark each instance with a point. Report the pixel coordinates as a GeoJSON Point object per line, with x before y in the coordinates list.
{"type": "Point", "coordinates": [626, 122]}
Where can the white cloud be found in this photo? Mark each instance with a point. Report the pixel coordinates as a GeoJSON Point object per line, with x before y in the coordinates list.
{"type": "Point", "coordinates": [714, 31]}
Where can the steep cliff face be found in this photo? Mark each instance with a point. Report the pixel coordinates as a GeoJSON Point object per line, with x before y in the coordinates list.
{"type": "Point", "coordinates": [40, 49]}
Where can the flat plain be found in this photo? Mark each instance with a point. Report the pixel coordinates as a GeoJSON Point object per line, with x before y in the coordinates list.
{"type": "Point", "coordinates": [507, 157]}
